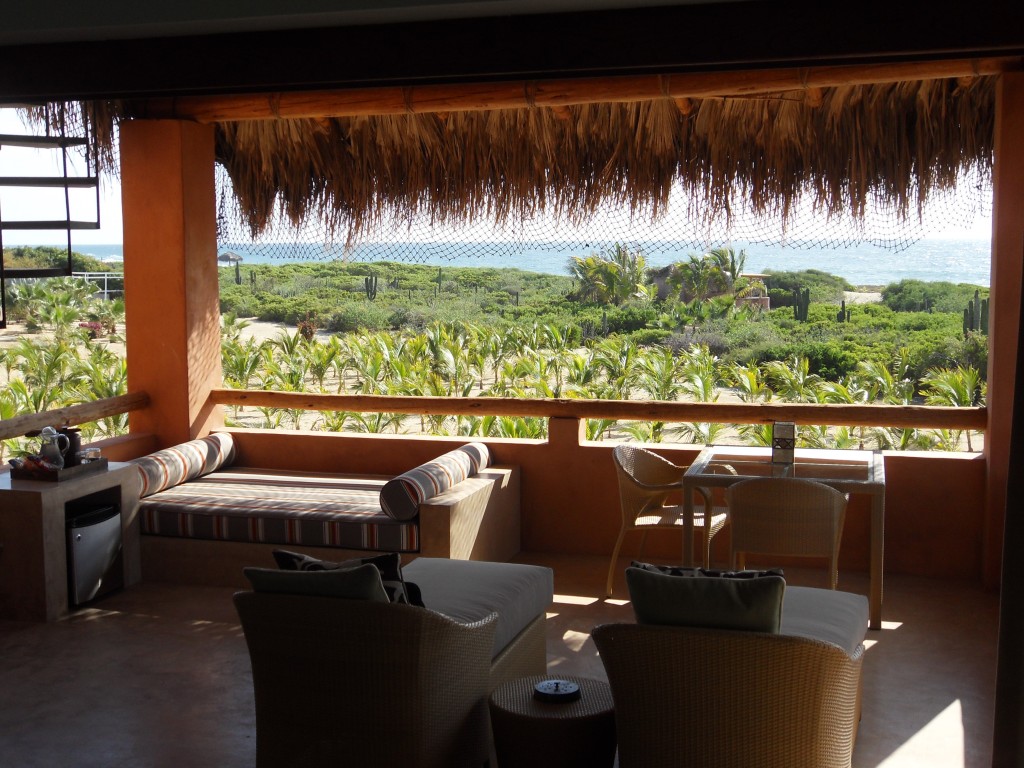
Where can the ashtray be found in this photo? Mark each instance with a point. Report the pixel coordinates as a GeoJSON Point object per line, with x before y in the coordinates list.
{"type": "Point", "coordinates": [560, 691]}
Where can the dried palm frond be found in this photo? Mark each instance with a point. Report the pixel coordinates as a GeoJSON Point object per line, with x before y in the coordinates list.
{"type": "Point", "coordinates": [840, 150]}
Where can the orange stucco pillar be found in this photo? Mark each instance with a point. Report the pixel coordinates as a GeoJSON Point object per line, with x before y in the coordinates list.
{"type": "Point", "coordinates": [1006, 460]}
{"type": "Point", "coordinates": [172, 311]}
{"type": "Point", "coordinates": [1005, 308]}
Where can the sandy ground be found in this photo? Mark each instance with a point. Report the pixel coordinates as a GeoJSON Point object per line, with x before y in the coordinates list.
{"type": "Point", "coordinates": [862, 297]}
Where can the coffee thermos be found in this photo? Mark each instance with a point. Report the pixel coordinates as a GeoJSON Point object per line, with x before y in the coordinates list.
{"type": "Point", "coordinates": [74, 436]}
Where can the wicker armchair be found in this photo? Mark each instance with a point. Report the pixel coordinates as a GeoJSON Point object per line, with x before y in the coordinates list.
{"type": "Point", "coordinates": [646, 480]}
{"type": "Point", "coordinates": [347, 682]}
{"type": "Point", "coordinates": [786, 516]}
{"type": "Point", "coordinates": [724, 699]}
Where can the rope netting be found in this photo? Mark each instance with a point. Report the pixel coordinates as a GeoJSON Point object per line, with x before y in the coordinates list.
{"type": "Point", "coordinates": [674, 232]}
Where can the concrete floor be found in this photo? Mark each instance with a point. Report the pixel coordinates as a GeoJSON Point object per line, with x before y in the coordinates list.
{"type": "Point", "coordinates": [158, 675]}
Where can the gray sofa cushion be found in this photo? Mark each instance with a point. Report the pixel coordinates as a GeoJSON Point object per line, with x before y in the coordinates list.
{"type": "Point", "coordinates": [840, 618]}
{"type": "Point", "coordinates": [468, 590]}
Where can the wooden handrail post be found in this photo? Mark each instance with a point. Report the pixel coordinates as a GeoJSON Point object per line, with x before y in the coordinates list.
{"type": "Point", "coordinates": [567, 432]}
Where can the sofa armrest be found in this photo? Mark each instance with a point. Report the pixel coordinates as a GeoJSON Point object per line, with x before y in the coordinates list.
{"type": "Point", "coordinates": [476, 519]}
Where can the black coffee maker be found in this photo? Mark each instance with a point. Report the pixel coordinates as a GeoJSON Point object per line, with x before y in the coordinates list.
{"type": "Point", "coordinates": [74, 435]}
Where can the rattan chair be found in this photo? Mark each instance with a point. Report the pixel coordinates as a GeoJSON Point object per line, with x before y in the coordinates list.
{"type": "Point", "coordinates": [787, 517]}
{"type": "Point", "coordinates": [699, 698]}
{"type": "Point", "coordinates": [349, 682]}
{"type": "Point", "coordinates": [646, 480]}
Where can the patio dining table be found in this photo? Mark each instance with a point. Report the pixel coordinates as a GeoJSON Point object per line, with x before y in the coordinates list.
{"type": "Point", "coordinates": [848, 471]}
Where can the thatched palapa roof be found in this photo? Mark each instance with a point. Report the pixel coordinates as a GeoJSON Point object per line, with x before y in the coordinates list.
{"type": "Point", "coordinates": [836, 148]}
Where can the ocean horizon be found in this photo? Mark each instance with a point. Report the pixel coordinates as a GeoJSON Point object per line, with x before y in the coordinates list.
{"type": "Point", "coordinates": [955, 259]}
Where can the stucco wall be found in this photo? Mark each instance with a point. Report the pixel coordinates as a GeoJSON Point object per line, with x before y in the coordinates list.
{"type": "Point", "coordinates": [934, 501]}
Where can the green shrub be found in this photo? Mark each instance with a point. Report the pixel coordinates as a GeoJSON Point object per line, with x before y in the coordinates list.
{"type": "Point", "coordinates": [823, 286]}
{"type": "Point", "coordinates": [54, 257]}
{"type": "Point", "coordinates": [631, 317]}
{"type": "Point", "coordinates": [649, 337]}
{"type": "Point", "coordinates": [935, 349]}
{"type": "Point", "coordinates": [748, 338]}
{"type": "Point", "coordinates": [920, 296]}
{"type": "Point", "coordinates": [368, 316]}
{"type": "Point", "coordinates": [832, 360]}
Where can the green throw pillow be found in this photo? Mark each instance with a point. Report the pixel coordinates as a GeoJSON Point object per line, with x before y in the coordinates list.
{"type": "Point", "coordinates": [360, 583]}
{"type": "Point", "coordinates": [749, 601]}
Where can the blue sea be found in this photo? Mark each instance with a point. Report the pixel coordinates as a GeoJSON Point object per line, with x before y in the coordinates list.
{"type": "Point", "coordinates": [956, 260]}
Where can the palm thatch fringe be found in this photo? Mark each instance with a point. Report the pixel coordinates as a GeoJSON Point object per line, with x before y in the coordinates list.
{"type": "Point", "coordinates": [848, 148]}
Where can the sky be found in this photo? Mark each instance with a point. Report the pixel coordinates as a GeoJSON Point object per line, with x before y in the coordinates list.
{"type": "Point", "coordinates": [32, 204]}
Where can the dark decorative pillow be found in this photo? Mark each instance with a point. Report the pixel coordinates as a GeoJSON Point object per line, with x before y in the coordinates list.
{"type": "Point", "coordinates": [692, 597]}
{"type": "Point", "coordinates": [675, 570]}
{"type": "Point", "coordinates": [390, 566]}
{"type": "Point", "coordinates": [360, 583]}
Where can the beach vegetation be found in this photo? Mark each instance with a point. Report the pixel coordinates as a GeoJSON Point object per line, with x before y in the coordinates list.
{"type": "Point", "coordinates": [922, 296]}
{"type": "Point", "coordinates": [610, 329]}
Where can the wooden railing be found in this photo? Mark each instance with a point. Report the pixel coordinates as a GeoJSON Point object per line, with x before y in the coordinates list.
{"type": "Point", "coordinates": [900, 416]}
{"type": "Point", "coordinates": [73, 414]}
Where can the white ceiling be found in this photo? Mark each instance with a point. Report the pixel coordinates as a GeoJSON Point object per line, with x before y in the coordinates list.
{"type": "Point", "coordinates": [74, 20]}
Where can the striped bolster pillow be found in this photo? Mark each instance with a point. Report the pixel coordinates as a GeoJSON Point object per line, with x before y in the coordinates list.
{"type": "Point", "coordinates": [401, 496]}
{"type": "Point", "coordinates": [180, 463]}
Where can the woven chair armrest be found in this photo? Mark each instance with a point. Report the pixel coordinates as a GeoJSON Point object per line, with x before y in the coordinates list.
{"type": "Point", "coordinates": [705, 494]}
{"type": "Point", "coordinates": [654, 487]}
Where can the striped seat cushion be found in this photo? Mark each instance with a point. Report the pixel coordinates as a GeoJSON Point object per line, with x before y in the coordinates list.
{"type": "Point", "coordinates": [187, 461]}
{"type": "Point", "coordinates": [401, 497]}
{"type": "Point", "coordinates": [278, 507]}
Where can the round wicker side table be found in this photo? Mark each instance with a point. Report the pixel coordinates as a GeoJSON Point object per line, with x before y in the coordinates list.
{"type": "Point", "coordinates": [529, 733]}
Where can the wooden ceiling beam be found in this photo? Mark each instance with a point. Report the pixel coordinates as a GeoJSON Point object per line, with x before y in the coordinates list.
{"type": "Point", "coordinates": [551, 93]}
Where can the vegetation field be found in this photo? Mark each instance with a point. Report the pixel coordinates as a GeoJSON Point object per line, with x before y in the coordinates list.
{"type": "Point", "coordinates": [610, 328]}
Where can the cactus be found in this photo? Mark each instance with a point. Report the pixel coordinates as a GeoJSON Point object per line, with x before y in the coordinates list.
{"type": "Point", "coordinates": [843, 314]}
{"type": "Point", "coordinates": [801, 302]}
{"type": "Point", "coordinates": [976, 315]}
{"type": "Point", "coordinates": [370, 286]}
{"type": "Point", "coordinates": [238, 273]}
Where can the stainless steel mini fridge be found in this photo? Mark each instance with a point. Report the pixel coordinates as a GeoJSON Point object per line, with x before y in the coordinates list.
{"type": "Point", "coordinates": [94, 548]}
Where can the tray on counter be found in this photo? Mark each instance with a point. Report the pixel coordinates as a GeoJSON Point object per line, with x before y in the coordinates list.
{"type": "Point", "coordinates": [57, 475]}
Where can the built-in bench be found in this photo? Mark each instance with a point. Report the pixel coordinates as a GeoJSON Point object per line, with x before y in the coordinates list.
{"type": "Point", "coordinates": [202, 518]}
